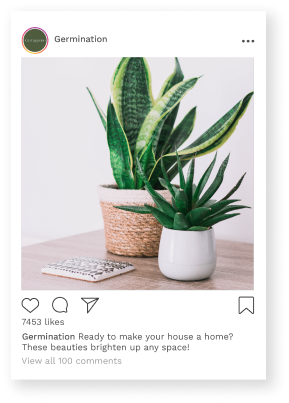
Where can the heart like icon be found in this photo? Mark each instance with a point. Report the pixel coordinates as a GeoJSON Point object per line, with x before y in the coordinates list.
{"type": "Point", "coordinates": [30, 304]}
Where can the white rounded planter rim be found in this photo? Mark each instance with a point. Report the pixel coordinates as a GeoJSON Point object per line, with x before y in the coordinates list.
{"type": "Point", "coordinates": [187, 255]}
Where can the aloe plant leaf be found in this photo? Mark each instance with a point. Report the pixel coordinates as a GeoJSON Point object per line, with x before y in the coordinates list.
{"type": "Point", "coordinates": [189, 183]}
{"type": "Point", "coordinates": [147, 161]}
{"type": "Point", "coordinates": [174, 204]}
{"type": "Point", "coordinates": [183, 131]}
{"type": "Point", "coordinates": [219, 133]}
{"type": "Point", "coordinates": [165, 206]}
{"type": "Point", "coordinates": [236, 187]}
{"type": "Point", "coordinates": [216, 207]}
{"type": "Point", "coordinates": [215, 185]}
{"type": "Point", "coordinates": [115, 73]}
{"type": "Point", "coordinates": [168, 183]}
{"type": "Point", "coordinates": [181, 201]}
{"type": "Point", "coordinates": [132, 96]}
{"type": "Point", "coordinates": [176, 77]}
{"type": "Point", "coordinates": [202, 183]}
{"type": "Point", "coordinates": [215, 220]}
{"type": "Point", "coordinates": [181, 174]}
{"type": "Point", "coordinates": [163, 183]}
{"type": "Point", "coordinates": [98, 108]}
{"type": "Point", "coordinates": [198, 229]}
{"type": "Point", "coordinates": [209, 203]}
{"type": "Point", "coordinates": [134, 209]}
{"type": "Point", "coordinates": [196, 216]}
{"type": "Point", "coordinates": [227, 209]}
{"type": "Point", "coordinates": [180, 222]}
{"type": "Point", "coordinates": [120, 156]}
{"type": "Point", "coordinates": [165, 105]}
{"type": "Point", "coordinates": [162, 218]}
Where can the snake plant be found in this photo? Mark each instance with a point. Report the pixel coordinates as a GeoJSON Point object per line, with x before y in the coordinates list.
{"type": "Point", "coordinates": [140, 127]}
{"type": "Point", "coordinates": [191, 208]}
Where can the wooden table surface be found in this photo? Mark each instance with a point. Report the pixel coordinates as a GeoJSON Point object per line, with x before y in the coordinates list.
{"type": "Point", "coordinates": [234, 269]}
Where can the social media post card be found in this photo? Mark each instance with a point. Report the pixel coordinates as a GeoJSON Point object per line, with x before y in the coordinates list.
{"type": "Point", "coordinates": [138, 195]}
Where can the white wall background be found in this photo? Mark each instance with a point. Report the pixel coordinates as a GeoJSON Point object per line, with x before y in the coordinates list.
{"type": "Point", "coordinates": [64, 149]}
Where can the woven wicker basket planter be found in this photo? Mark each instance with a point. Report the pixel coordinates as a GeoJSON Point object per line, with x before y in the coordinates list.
{"type": "Point", "coordinates": [126, 233]}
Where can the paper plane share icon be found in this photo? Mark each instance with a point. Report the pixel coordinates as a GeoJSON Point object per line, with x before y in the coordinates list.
{"type": "Point", "coordinates": [90, 302]}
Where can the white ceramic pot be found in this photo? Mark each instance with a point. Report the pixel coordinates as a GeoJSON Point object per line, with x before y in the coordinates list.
{"type": "Point", "coordinates": [187, 255]}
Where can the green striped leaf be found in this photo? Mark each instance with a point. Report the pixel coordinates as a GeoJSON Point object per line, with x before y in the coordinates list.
{"type": "Point", "coordinates": [180, 222]}
{"type": "Point", "coordinates": [120, 156]}
{"type": "Point", "coordinates": [202, 183]}
{"type": "Point", "coordinates": [189, 183]}
{"type": "Point", "coordinates": [181, 201]}
{"type": "Point", "coordinates": [198, 229]}
{"type": "Point", "coordinates": [134, 209]}
{"type": "Point", "coordinates": [215, 185]}
{"type": "Point", "coordinates": [176, 77]}
{"type": "Point", "coordinates": [132, 97]}
{"type": "Point", "coordinates": [197, 215]}
{"type": "Point", "coordinates": [219, 133]}
{"type": "Point", "coordinates": [164, 220]}
{"type": "Point", "coordinates": [98, 108]}
{"type": "Point", "coordinates": [147, 161]}
{"type": "Point", "coordinates": [183, 131]}
{"type": "Point", "coordinates": [160, 110]}
{"type": "Point", "coordinates": [215, 220]}
{"type": "Point", "coordinates": [236, 187]}
{"type": "Point", "coordinates": [115, 73]}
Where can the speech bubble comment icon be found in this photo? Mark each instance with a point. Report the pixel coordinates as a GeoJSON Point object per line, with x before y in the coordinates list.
{"type": "Point", "coordinates": [60, 305]}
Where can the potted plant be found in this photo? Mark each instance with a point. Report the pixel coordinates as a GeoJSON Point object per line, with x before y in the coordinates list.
{"type": "Point", "coordinates": [139, 127]}
{"type": "Point", "coordinates": [187, 247]}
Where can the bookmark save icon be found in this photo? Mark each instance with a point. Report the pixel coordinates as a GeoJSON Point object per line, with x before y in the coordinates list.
{"type": "Point", "coordinates": [90, 302]}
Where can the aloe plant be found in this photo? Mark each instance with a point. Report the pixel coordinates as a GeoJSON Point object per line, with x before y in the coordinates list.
{"type": "Point", "coordinates": [192, 208]}
{"type": "Point", "coordinates": [141, 128]}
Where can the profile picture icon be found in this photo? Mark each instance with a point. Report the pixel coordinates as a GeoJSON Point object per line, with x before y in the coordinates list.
{"type": "Point", "coordinates": [35, 40]}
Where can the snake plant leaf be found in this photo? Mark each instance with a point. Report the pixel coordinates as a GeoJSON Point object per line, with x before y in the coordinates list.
{"type": "Point", "coordinates": [115, 73]}
{"type": "Point", "coordinates": [216, 207]}
{"type": "Point", "coordinates": [197, 215]}
{"type": "Point", "coordinates": [165, 132]}
{"type": "Point", "coordinates": [158, 113]}
{"type": "Point", "coordinates": [181, 174]}
{"type": "Point", "coordinates": [163, 183]}
{"type": "Point", "coordinates": [203, 181]}
{"type": "Point", "coordinates": [162, 218]}
{"type": "Point", "coordinates": [215, 220]}
{"type": "Point", "coordinates": [176, 77]}
{"type": "Point", "coordinates": [236, 187]}
{"type": "Point", "coordinates": [219, 133]}
{"type": "Point", "coordinates": [120, 156]}
{"type": "Point", "coordinates": [132, 95]}
{"type": "Point", "coordinates": [181, 201]}
{"type": "Point", "coordinates": [215, 185]}
{"type": "Point", "coordinates": [168, 183]}
{"type": "Point", "coordinates": [198, 229]}
{"type": "Point", "coordinates": [182, 132]}
{"type": "Point", "coordinates": [209, 203]}
{"type": "Point", "coordinates": [189, 183]}
{"type": "Point", "coordinates": [134, 209]}
{"type": "Point", "coordinates": [147, 161]}
{"type": "Point", "coordinates": [98, 108]}
{"type": "Point", "coordinates": [180, 222]}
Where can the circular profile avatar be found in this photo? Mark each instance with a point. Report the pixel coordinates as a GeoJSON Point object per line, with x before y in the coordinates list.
{"type": "Point", "coordinates": [35, 40]}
